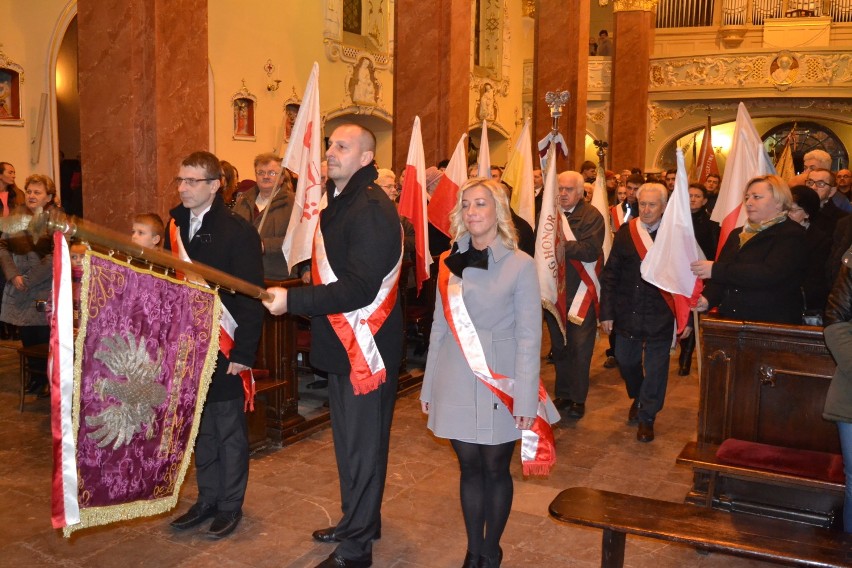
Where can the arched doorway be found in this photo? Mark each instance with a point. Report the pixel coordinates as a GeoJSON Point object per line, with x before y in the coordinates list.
{"type": "Point", "coordinates": [66, 116]}
{"type": "Point", "coordinates": [806, 136]}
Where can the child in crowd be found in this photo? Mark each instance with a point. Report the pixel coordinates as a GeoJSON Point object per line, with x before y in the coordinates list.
{"type": "Point", "coordinates": [148, 230]}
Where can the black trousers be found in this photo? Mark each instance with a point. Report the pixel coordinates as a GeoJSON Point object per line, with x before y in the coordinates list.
{"type": "Point", "coordinates": [644, 366]}
{"type": "Point", "coordinates": [360, 426]}
{"type": "Point", "coordinates": [222, 454]}
{"type": "Point", "coordinates": [573, 359]}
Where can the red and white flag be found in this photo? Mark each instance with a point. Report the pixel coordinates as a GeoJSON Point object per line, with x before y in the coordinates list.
{"type": "Point", "coordinates": [747, 159]}
{"type": "Point", "coordinates": [706, 163]}
{"type": "Point", "coordinates": [304, 155]}
{"type": "Point", "coordinates": [518, 175]}
{"type": "Point", "coordinates": [484, 161]}
{"type": "Point", "coordinates": [544, 147]}
{"type": "Point", "coordinates": [412, 202]}
{"type": "Point", "coordinates": [666, 265]}
{"type": "Point", "coordinates": [445, 195]}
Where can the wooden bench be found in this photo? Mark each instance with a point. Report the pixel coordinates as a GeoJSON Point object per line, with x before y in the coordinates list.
{"type": "Point", "coordinates": [794, 497]}
{"type": "Point", "coordinates": [706, 529]}
{"type": "Point", "coordinates": [40, 351]}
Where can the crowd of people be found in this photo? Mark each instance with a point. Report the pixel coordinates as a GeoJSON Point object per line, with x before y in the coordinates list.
{"type": "Point", "coordinates": [783, 265]}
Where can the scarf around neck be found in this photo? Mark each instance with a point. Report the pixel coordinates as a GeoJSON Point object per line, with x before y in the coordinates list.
{"type": "Point", "coordinates": [751, 229]}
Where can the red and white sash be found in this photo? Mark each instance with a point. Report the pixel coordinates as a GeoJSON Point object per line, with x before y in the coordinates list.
{"type": "Point", "coordinates": [538, 447]}
{"type": "Point", "coordinates": [618, 216]}
{"type": "Point", "coordinates": [227, 323]}
{"type": "Point", "coordinates": [357, 329]}
{"type": "Point", "coordinates": [589, 291]}
{"type": "Point", "coordinates": [642, 241]}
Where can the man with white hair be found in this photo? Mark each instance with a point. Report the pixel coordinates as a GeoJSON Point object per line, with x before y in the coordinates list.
{"type": "Point", "coordinates": [639, 313]}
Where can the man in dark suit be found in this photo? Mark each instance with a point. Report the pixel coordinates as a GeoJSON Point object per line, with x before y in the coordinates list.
{"type": "Point", "coordinates": [639, 313]}
{"type": "Point", "coordinates": [212, 234]}
{"type": "Point", "coordinates": [573, 357]}
{"type": "Point", "coordinates": [362, 249]}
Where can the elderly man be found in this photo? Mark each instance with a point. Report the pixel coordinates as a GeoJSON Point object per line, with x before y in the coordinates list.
{"type": "Point", "coordinates": [823, 182]}
{"type": "Point", "coordinates": [358, 256]}
{"type": "Point", "coordinates": [844, 183]}
{"type": "Point", "coordinates": [210, 233]}
{"type": "Point", "coordinates": [639, 313]}
{"type": "Point", "coordinates": [582, 250]}
{"type": "Point", "coordinates": [268, 206]}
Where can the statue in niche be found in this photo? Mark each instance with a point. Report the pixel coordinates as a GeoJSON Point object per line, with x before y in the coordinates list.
{"type": "Point", "coordinates": [487, 105]}
{"type": "Point", "coordinates": [784, 69]}
{"type": "Point", "coordinates": [363, 84]}
{"type": "Point", "coordinates": [243, 117]}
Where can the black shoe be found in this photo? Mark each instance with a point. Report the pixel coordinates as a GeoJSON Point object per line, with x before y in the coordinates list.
{"type": "Point", "coordinates": [562, 403]}
{"type": "Point", "coordinates": [196, 515]}
{"type": "Point", "coordinates": [633, 413]}
{"type": "Point", "coordinates": [470, 560]}
{"type": "Point", "coordinates": [327, 536]}
{"type": "Point", "coordinates": [610, 363]}
{"type": "Point", "coordinates": [335, 561]}
{"type": "Point", "coordinates": [318, 384]}
{"type": "Point", "coordinates": [224, 524]}
{"type": "Point", "coordinates": [645, 433]}
{"type": "Point", "coordinates": [491, 562]}
{"type": "Point", "coordinates": [576, 410]}
{"type": "Point", "coordinates": [683, 371]}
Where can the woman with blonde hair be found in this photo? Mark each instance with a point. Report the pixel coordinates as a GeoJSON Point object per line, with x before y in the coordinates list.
{"type": "Point", "coordinates": [487, 327]}
{"type": "Point", "coordinates": [759, 273]}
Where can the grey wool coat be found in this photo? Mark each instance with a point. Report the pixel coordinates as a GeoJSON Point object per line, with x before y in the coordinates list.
{"type": "Point", "coordinates": [504, 303]}
{"type": "Point", "coordinates": [20, 255]}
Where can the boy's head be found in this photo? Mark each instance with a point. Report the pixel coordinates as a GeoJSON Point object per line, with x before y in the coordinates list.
{"type": "Point", "coordinates": [77, 251]}
{"type": "Point", "coordinates": [148, 230]}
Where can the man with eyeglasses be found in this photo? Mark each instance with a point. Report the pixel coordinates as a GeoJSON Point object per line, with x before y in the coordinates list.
{"type": "Point", "coordinates": [356, 332]}
{"type": "Point", "coordinates": [823, 182]}
{"type": "Point", "coordinates": [268, 206]}
{"type": "Point", "coordinates": [207, 231]}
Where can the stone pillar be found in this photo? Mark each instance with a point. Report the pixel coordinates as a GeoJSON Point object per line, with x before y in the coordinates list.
{"type": "Point", "coordinates": [431, 76]}
{"type": "Point", "coordinates": [143, 102]}
{"type": "Point", "coordinates": [631, 64]}
{"type": "Point", "coordinates": [561, 62]}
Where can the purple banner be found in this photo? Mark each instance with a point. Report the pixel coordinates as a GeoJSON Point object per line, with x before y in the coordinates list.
{"type": "Point", "coordinates": [145, 353]}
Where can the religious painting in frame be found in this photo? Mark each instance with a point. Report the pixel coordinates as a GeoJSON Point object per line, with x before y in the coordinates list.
{"type": "Point", "coordinates": [11, 79]}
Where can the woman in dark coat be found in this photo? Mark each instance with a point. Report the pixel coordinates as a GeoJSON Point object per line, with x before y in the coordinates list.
{"type": "Point", "coordinates": [838, 400]}
{"type": "Point", "coordinates": [758, 275]}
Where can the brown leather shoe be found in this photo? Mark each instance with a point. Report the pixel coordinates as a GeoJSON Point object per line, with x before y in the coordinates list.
{"type": "Point", "coordinates": [645, 433]}
{"type": "Point", "coordinates": [633, 413]}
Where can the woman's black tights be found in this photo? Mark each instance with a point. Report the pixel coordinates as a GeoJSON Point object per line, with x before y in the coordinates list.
{"type": "Point", "coordinates": [486, 493]}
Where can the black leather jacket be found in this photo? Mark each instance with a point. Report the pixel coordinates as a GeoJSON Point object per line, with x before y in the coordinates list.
{"type": "Point", "coordinates": [838, 308]}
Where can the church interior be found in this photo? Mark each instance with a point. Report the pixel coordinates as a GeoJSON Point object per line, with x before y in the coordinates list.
{"type": "Point", "coordinates": [107, 96]}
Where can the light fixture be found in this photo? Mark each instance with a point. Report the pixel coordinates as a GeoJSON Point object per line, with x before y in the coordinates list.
{"type": "Point", "coordinates": [273, 84]}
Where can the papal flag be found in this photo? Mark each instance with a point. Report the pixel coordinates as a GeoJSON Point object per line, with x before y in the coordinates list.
{"type": "Point", "coordinates": [519, 175]}
{"type": "Point", "coordinates": [131, 405]}
{"type": "Point", "coordinates": [484, 161]}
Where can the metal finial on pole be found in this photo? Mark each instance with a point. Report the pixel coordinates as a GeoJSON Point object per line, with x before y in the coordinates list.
{"type": "Point", "coordinates": [556, 100]}
{"type": "Point", "coordinates": [601, 145]}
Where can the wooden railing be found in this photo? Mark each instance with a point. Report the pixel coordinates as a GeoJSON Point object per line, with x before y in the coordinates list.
{"type": "Point", "coordinates": [700, 13]}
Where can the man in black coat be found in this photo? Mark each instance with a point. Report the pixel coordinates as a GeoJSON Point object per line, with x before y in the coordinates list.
{"type": "Point", "coordinates": [573, 357]}
{"type": "Point", "coordinates": [361, 231]}
{"type": "Point", "coordinates": [213, 235]}
{"type": "Point", "coordinates": [638, 313]}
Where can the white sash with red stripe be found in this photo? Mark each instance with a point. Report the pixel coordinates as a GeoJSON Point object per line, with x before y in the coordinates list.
{"type": "Point", "coordinates": [589, 291]}
{"type": "Point", "coordinates": [618, 216]}
{"type": "Point", "coordinates": [538, 447]}
{"type": "Point", "coordinates": [643, 242]}
{"type": "Point", "coordinates": [357, 329]}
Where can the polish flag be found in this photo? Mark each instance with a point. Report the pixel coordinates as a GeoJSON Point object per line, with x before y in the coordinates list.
{"type": "Point", "coordinates": [706, 163]}
{"type": "Point", "coordinates": [746, 160]}
{"type": "Point", "coordinates": [484, 153]}
{"type": "Point", "coordinates": [412, 202]}
{"type": "Point", "coordinates": [666, 265]}
{"type": "Point", "coordinates": [444, 197]}
{"type": "Point", "coordinates": [518, 175]}
{"type": "Point", "coordinates": [304, 155]}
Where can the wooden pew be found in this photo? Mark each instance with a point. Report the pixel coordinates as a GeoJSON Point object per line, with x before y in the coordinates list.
{"type": "Point", "coordinates": [763, 383]}
{"type": "Point", "coordinates": [708, 530]}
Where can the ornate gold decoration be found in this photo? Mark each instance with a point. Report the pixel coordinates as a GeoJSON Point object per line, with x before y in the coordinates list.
{"type": "Point", "coordinates": [528, 8]}
{"type": "Point", "coordinates": [634, 5]}
{"type": "Point", "coordinates": [137, 397]}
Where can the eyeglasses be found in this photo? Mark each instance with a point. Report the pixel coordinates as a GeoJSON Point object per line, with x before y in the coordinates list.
{"type": "Point", "coordinates": [270, 173]}
{"type": "Point", "coordinates": [191, 182]}
{"type": "Point", "coordinates": [820, 184]}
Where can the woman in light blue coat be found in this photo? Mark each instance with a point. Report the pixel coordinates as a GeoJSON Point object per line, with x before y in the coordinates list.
{"type": "Point", "coordinates": [502, 297]}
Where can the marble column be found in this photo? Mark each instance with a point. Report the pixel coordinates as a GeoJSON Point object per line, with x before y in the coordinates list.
{"type": "Point", "coordinates": [143, 102]}
{"type": "Point", "coordinates": [631, 63]}
{"type": "Point", "coordinates": [561, 63]}
{"type": "Point", "coordinates": [431, 76]}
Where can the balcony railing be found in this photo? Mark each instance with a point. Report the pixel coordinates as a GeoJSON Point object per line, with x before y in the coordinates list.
{"type": "Point", "coordinates": [698, 13]}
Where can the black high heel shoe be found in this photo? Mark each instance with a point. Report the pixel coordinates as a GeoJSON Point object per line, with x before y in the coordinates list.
{"type": "Point", "coordinates": [491, 561]}
{"type": "Point", "coordinates": [470, 561]}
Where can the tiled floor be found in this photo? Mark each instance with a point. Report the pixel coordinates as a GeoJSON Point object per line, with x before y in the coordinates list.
{"type": "Point", "coordinates": [293, 490]}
